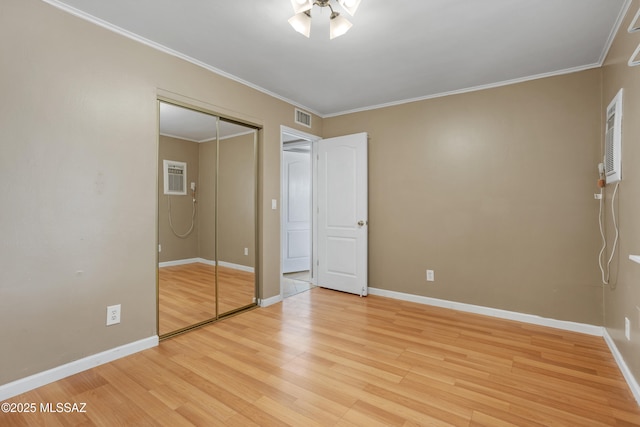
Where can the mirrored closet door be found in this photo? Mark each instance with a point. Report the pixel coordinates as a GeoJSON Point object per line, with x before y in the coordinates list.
{"type": "Point", "coordinates": [207, 169]}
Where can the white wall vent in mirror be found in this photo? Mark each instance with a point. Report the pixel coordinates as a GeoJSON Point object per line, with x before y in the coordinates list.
{"type": "Point", "coordinates": [303, 118]}
{"type": "Point", "coordinates": [175, 177]}
{"type": "Point", "coordinates": [613, 140]}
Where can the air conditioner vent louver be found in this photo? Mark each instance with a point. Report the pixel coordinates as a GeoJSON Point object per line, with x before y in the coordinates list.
{"type": "Point", "coordinates": [176, 180]}
{"type": "Point", "coordinates": [175, 177]}
{"type": "Point", "coordinates": [609, 151]}
{"type": "Point", "coordinates": [303, 118]}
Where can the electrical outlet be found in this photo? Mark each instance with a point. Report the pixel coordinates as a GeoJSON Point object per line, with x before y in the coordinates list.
{"type": "Point", "coordinates": [627, 328]}
{"type": "Point", "coordinates": [113, 314]}
{"type": "Point", "coordinates": [430, 276]}
{"type": "Point", "coordinates": [246, 251]}
{"type": "Point", "coordinates": [159, 248]}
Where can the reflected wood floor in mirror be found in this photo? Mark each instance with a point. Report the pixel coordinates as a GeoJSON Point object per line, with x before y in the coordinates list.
{"type": "Point", "coordinates": [187, 294]}
{"type": "Point", "coordinates": [324, 358]}
{"type": "Point", "coordinates": [235, 289]}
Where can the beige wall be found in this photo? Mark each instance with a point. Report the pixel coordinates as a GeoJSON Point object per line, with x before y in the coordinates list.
{"type": "Point", "coordinates": [207, 201]}
{"type": "Point", "coordinates": [236, 200]}
{"type": "Point", "coordinates": [236, 193]}
{"type": "Point", "coordinates": [622, 298]}
{"type": "Point", "coordinates": [174, 247]}
{"type": "Point", "coordinates": [78, 174]}
{"type": "Point", "coordinates": [494, 191]}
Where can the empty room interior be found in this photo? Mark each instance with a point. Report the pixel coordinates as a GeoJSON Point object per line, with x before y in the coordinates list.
{"type": "Point", "coordinates": [376, 213]}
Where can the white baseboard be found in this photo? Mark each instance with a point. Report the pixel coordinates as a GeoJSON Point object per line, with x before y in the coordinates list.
{"type": "Point", "coordinates": [626, 372]}
{"type": "Point", "coordinates": [185, 261]}
{"type": "Point", "coordinates": [177, 262]}
{"type": "Point", "coordinates": [493, 312]}
{"type": "Point", "coordinates": [208, 262]}
{"type": "Point", "coordinates": [42, 378]}
{"type": "Point", "coordinates": [236, 266]}
{"type": "Point", "coordinates": [270, 301]}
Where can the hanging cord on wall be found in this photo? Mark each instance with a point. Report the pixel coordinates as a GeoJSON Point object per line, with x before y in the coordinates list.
{"type": "Point", "coordinates": [604, 240]}
{"type": "Point", "coordinates": [607, 272]}
{"type": "Point", "coordinates": [193, 217]}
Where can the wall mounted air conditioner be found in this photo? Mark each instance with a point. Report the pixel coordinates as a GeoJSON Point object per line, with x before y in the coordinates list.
{"type": "Point", "coordinates": [613, 140]}
{"type": "Point", "coordinates": [175, 177]}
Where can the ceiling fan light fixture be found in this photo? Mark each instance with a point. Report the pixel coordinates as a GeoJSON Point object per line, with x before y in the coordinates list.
{"type": "Point", "coordinates": [338, 25]}
{"type": "Point", "coordinates": [350, 5]}
{"type": "Point", "coordinates": [300, 6]}
{"type": "Point", "coordinates": [301, 22]}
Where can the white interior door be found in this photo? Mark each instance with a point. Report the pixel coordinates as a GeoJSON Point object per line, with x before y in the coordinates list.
{"type": "Point", "coordinates": [296, 202]}
{"type": "Point", "coordinates": [342, 213]}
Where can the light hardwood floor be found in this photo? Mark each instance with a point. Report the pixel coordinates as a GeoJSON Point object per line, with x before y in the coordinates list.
{"type": "Point", "coordinates": [187, 294]}
{"type": "Point", "coordinates": [328, 358]}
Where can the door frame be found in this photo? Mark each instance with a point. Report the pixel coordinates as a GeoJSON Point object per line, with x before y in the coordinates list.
{"type": "Point", "coordinates": [313, 140]}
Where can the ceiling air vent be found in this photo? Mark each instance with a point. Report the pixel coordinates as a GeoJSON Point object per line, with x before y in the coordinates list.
{"type": "Point", "coordinates": [303, 118]}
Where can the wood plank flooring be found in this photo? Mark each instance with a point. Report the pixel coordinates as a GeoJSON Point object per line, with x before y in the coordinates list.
{"type": "Point", "coordinates": [235, 289]}
{"type": "Point", "coordinates": [324, 358]}
{"type": "Point", "coordinates": [187, 294]}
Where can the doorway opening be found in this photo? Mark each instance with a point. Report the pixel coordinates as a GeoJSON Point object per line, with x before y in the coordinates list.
{"type": "Point", "coordinates": [324, 215]}
{"type": "Point", "coordinates": [297, 218]}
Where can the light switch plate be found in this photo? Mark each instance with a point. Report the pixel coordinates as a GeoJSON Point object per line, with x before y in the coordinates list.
{"type": "Point", "coordinates": [627, 328]}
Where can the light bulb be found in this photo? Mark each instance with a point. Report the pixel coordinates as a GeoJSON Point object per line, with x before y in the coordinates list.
{"type": "Point", "coordinates": [338, 25]}
{"type": "Point", "coordinates": [350, 5]}
{"type": "Point", "coordinates": [301, 5]}
{"type": "Point", "coordinates": [301, 22]}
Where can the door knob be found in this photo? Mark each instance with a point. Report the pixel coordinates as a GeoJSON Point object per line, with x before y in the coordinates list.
{"type": "Point", "coordinates": [361, 223]}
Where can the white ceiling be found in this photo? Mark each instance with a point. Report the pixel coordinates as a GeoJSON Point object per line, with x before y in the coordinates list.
{"type": "Point", "coordinates": [396, 50]}
{"type": "Point", "coordinates": [183, 123]}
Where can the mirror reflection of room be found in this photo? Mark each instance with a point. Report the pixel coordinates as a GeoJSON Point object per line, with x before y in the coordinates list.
{"type": "Point", "coordinates": [236, 220]}
{"type": "Point", "coordinates": [296, 210]}
{"type": "Point", "coordinates": [206, 217]}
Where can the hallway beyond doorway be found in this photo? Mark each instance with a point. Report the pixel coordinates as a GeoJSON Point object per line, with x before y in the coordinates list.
{"type": "Point", "coordinates": [295, 283]}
